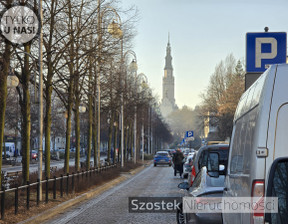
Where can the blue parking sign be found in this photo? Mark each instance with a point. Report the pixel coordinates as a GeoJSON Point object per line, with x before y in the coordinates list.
{"type": "Point", "coordinates": [263, 49]}
{"type": "Point", "coordinates": [189, 134]}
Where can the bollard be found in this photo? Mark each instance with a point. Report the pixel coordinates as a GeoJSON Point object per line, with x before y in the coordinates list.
{"type": "Point", "coordinates": [3, 203]}
{"type": "Point", "coordinates": [38, 192]}
{"type": "Point", "coordinates": [16, 201]}
{"type": "Point", "coordinates": [54, 188]}
{"type": "Point", "coordinates": [61, 186]}
{"type": "Point", "coordinates": [28, 196]}
{"type": "Point", "coordinates": [47, 190]}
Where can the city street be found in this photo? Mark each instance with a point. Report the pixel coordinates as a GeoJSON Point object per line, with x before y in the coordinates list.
{"type": "Point", "coordinates": [112, 205]}
{"type": "Point", "coordinates": [34, 166]}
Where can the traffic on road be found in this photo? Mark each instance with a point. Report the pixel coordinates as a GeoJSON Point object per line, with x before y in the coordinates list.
{"type": "Point", "coordinates": [86, 127]}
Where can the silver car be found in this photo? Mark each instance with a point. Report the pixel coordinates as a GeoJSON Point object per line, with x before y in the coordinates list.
{"type": "Point", "coordinates": [203, 186]}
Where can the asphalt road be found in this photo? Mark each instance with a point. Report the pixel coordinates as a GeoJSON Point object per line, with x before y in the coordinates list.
{"type": "Point", "coordinates": [34, 166]}
{"type": "Point", "coordinates": [112, 206]}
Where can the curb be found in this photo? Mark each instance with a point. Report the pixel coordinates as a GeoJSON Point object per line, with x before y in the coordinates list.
{"type": "Point", "coordinates": [45, 216]}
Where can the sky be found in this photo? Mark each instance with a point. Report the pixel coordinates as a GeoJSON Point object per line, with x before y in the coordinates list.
{"type": "Point", "coordinates": [202, 33]}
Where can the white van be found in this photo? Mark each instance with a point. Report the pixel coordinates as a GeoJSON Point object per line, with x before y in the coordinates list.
{"type": "Point", "coordinates": [259, 139]}
{"type": "Point", "coordinates": [10, 149]}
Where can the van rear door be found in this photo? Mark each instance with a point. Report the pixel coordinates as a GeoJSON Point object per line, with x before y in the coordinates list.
{"type": "Point", "coordinates": [278, 122]}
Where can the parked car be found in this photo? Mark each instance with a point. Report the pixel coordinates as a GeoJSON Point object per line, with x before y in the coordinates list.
{"type": "Point", "coordinates": [34, 155]}
{"type": "Point", "coordinates": [258, 157]}
{"type": "Point", "coordinates": [162, 157]}
{"type": "Point", "coordinates": [187, 166]}
{"type": "Point", "coordinates": [204, 186]}
{"type": "Point", "coordinates": [201, 158]}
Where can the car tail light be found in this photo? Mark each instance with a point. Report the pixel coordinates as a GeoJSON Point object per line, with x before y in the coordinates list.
{"type": "Point", "coordinates": [258, 193]}
{"type": "Point", "coordinates": [225, 148]}
{"type": "Point", "coordinates": [193, 175]}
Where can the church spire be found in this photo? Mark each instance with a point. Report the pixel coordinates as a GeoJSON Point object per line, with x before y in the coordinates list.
{"type": "Point", "coordinates": [168, 58]}
{"type": "Point", "coordinates": [168, 100]}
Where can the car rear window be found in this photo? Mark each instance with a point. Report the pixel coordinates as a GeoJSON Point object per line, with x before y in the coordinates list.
{"type": "Point", "coordinates": [162, 154]}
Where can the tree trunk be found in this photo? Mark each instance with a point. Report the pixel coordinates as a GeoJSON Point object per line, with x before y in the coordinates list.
{"type": "Point", "coordinates": [77, 131]}
{"type": "Point", "coordinates": [70, 88]}
{"type": "Point", "coordinates": [4, 70]}
{"type": "Point", "coordinates": [115, 142]}
{"type": "Point", "coordinates": [94, 133]}
{"type": "Point", "coordinates": [110, 137]}
{"type": "Point", "coordinates": [26, 116]}
{"type": "Point", "coordinates": [49, 89]}
{"type": "Point", "coordinates": [90, 111]}
{"type": "Point", "coordinates": [126, 144]}
{"type": "Point", "coordinates": [48, 119]}
{"type": "Point", "coordinates": [68, 124]}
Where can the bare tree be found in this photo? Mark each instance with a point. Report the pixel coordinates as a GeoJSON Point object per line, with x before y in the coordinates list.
{"type": "Point", "coordinates": [222, 95]}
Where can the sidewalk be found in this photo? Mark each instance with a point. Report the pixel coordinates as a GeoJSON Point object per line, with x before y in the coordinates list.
{"type": "Point", "coordinates": [45, 216]}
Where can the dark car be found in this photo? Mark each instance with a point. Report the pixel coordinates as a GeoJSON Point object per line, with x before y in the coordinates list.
{"type": "Point", "coordinates": [201, 158]}
{"type": "Point", "coordinates": [162, 157]}
{"type": "Point", "coordinates": [203, 188]}
{"type": "Point", "coordinates": [187, 166]}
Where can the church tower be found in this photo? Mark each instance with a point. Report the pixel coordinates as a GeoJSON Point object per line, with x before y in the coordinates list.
{"type": "Point", "coordinates": [168, 101]}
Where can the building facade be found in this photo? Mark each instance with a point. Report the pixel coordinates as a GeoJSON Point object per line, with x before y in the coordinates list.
{"type": "Point", "coordinates": [168, 104]}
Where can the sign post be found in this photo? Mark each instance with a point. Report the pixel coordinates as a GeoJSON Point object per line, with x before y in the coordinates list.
{"type": "Point", "coordinates": [189, 136]}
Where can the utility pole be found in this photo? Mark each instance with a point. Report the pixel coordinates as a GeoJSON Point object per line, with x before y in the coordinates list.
{"type": "Point", "coordinates": [40, 99]}
{"type": "Point", "coordinates": [99, 32]}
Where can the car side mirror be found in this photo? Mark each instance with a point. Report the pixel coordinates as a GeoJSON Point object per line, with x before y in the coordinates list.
{"type": "Point", "coordinates": [213, 164]}
{"type": "Point", "coordinates": [277, 187]}
{"type": "Point", "coordinates": [183, 185]}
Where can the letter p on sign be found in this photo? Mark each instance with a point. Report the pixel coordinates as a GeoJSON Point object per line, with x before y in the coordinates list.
{"type": "Point", "coordinates": [258, 53]}
{"type": "Point", "coordinates": [264, 49]}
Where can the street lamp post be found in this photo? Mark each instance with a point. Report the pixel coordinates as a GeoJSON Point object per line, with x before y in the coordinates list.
{"type": "Point", "coordinates": [145, 81]}
{"type": "Point", "coordinates": [135, 116]}
{"type": "Point", "coordinates": [133, 68]}
{"type": "Point", "coordinates": [115, 30]}
{"type": "Point", "coordinates": [98, 84]}
{"type": "Point", "coordinates": [40, 99]}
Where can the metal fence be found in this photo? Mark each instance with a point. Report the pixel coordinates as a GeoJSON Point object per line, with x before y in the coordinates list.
{"type": "Point", "coordinates": [63, 187]}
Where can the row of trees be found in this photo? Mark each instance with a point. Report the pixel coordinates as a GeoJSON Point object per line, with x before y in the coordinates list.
{"type": "Point", "coordinates": [79, 56]}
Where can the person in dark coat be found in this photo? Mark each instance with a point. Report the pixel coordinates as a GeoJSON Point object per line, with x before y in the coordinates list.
{"type": "Point", "coordinates": [178, 162]}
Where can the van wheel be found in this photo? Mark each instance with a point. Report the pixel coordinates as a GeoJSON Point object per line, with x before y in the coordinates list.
{"type": "Point", "coordinates": [155, 164]}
